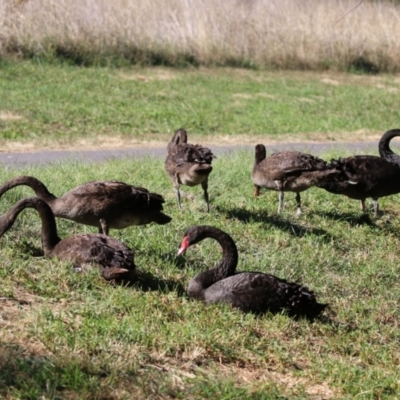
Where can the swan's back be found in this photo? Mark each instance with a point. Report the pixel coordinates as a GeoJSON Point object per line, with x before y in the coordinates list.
{"type": "Point", "coordinates": [100, 196]}
{"type": "Point", "coordinates": [114, 258]}
{"type": "Point", "coordinates": [120, 204]}
{"type": "Point", "coordinates": [288, 170]}
{"type": "Point", "coordinates": [364, 176]}
{"type": "Point", "coordinates": [259, 293]}
{"type": "Point", "coordinates": [284, 163]}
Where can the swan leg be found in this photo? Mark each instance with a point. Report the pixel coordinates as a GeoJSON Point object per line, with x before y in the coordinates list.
{"type": "Point", "coordinates": [103, 227]}
{"type": "Point", "coordinates": [281, 196]}
{"type": "Point", "coordinates": [256, 191]}
{"type": "Point", "coordinates": [298, 202]}
{"type": "Point", "coordinates": [363, 205]}
{"type": "Point", "coordinates": [178, 198]}
{"type": "Point", "coordinates": [176, 182]}
{"type": "Point", "coordinates": [376, 207]}
{"type": "Point", "coordinates": [204, 185]}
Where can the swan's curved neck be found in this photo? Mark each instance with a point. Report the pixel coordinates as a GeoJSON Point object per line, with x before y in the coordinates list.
{"type": "Point", "coordinates": [226, 267]}
{"type": "Point", "coordinates": [37, 186]}
{"type": "Point", "coordinates": [49, 229]}
{"type": "Point", "coordinates": [384, 148]}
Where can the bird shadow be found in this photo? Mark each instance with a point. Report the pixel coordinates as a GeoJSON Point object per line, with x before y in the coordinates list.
{"type": "Point", "coordinates": [26, 247]}
{"type": "Point", "coordinates": [352, 219]}
{"type": "Point", "coordinates": [164, 257]}
{"type": "Point", "coordinates": [277, 221]}
{"type": "Point", "coordinates": [147, 282]}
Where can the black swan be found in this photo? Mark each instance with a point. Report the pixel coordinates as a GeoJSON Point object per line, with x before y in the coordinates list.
{"type": "Point", "coordinates": [249, 291]}
{"type": "Point", "coordinates": [188, 164]}
{"type": "Point", "coordinates": [362, 177]}
{"type": "Point", "coordinates": [103, 204]}
{"type": "Point", "coordinates": [288, 171]}
{"type": "Point", "coordinates": [114, 258]}
{"type": "Point", "coordinates": [384, 150]}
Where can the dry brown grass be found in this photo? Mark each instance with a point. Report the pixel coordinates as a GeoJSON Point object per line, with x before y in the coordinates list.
{"type": "Point", "coordinates": [286, 34]}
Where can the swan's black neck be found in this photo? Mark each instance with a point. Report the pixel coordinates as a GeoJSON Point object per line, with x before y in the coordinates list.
{"type": "Point", "coordinates": [226, 267]}
{"type": "Point", "coordinates": [261, 153]}
{"type": "Point", "coordinates": [37, 186]}
{"type": "Point", "coordinates": [49, 229]}
{"type": "Point", "coordinates": [384, 149]}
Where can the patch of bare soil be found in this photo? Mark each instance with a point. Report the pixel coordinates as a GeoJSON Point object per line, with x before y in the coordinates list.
{"type": "Point", "coordinates": [148, 75]}
{"type": "Point", "coordinates": [16, 318]}
{"type": "Point", "coordinates": [246, 376]}
{"type": "Point", "coordinates": [9, 116]}
{"type": "Point", "coordinates": [249, 376]}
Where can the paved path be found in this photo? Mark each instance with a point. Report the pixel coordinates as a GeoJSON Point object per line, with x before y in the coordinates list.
{"type": "Point", "coordinates": [53, 156]}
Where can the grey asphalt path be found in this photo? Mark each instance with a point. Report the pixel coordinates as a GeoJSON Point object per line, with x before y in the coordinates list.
{"type": "Point", "coordinates": [54, 156]}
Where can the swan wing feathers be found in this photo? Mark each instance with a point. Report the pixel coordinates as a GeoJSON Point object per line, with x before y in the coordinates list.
{"type": "Point", "coordinates": [97, 249]}
{"type": "Point", "coordinates": [102, 195]}
{"type": "Point", "coordinates": [258, 293]}
{"type": "Point", "coordinates": [189, 153]}
{"type": "Point", "coordinates": [366, 170]}
{"type": "Point", "coordinates": [294, 162]}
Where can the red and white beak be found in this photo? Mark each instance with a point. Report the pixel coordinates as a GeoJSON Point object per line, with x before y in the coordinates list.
{"type": "Point", "coordinates": [184, 245]}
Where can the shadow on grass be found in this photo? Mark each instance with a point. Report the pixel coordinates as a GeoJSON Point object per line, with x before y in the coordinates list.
{"type": "Point", "coordinates": [28, 248]}
{"type": "Point", "coordinates": [24, 374]}
{"type": "Point", "coordinates": [318, 315]}
{"type": "Point", "coordinates": [353, 219]}
{"type": "Point", "coordinates": [276, 221]}
{"type": "Point", "coordinates": [146, 281]}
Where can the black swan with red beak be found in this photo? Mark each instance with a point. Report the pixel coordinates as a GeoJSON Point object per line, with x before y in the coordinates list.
{"type": "Point", "coordinates": [254, 292]}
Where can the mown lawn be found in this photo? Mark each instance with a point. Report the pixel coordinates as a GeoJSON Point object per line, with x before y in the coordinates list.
{"type": "Point", "coordinates": [74, 336]}
{"type": "Point", "coordinates": [44, 105]}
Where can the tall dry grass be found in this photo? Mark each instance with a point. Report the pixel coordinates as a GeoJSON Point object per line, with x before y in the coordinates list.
{"type": "Point", "coordinates": [301, 34]}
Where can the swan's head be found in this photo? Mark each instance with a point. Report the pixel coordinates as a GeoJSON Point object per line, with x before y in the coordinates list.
{"type": "Point", "coordinates": [193, 235]}
{"type": "Point", "coordinates": [196, 234]}
{"type": "Point", "coordinates": [261, 153]}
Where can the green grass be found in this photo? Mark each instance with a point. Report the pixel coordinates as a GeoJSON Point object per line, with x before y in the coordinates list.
{"type": "Point", "coordinates": [70, 335]}
{"type": "Point", "coordinates": [58, 105]}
